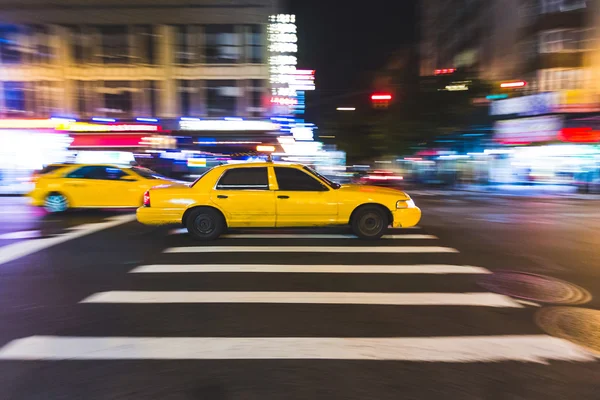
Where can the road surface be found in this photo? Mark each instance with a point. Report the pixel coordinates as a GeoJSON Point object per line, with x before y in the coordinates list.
{"type": "Point", "coordinates": [489, 298]}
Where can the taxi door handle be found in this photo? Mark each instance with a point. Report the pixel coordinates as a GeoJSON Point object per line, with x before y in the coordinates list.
{"type": "Point", "coordinates": [283, 197]}
{"type": "Point", "coordinates": [222, 197]}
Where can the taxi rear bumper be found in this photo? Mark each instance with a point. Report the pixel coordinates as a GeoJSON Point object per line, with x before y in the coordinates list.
{"type": "Point", "coordinates": [158, 216]}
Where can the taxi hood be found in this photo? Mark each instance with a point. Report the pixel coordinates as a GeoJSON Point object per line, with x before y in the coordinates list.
{"type": "Point", "coordinates": [400, 195]}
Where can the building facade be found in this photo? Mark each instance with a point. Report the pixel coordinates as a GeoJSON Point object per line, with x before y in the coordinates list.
{"type": "Point", "coordinates": [140, 58]}
{"type": "Point", "coordinates": [550, 44]}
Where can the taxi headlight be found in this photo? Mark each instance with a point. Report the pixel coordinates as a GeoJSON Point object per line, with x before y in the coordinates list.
{"type": "Point", "coordinates": [401, 204]}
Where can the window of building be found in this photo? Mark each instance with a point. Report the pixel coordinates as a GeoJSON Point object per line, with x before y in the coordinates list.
{"type": "Point", "coordinates": [185, 90]}
{"type": "Point", "coordinates": [153, 97]}
{"type": "Point", "coordinates": [221, 98]}
{"type": "Point", "coordinates": [79, 45]}
{"type": "Point", "coordinates": [561, 79]}
{"type": "Point", "coordinates": [115, 44]}
{"type": "Point", "coordinates": [81, 98]}
{"type": "Point", "coordinates": [564, 40]}
{"type": "Point", "coordinates": [14, 97]}
{"type": "Point", "coordinates": [145, 43]}
{"type": "Point", "coordinates": [223, 44]}
{"type": "Point", "coordinates": [291, 179]}
{"type": "Point", "coordinates": [184, 44]}
{"type": "Point", "coordinates": [41, 48]}
{"type": "Point", "coordinates": [117, 99]}
{"type": "Point", "coordinates": [254, 45]}
{"type": "Point", "coordinates": [244, 179]}
{"type": "Point", "coordinates": [256, 91]}
{"type": "Point", "coordinates": [10, 50]}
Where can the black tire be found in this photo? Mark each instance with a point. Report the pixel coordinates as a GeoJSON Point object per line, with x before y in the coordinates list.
{"type": "Point", "coordinates": [369, 222]}
{"type": "Point", "coordinates": [56, 203]}
{"type": "Point", "coordinates": [205, 223]}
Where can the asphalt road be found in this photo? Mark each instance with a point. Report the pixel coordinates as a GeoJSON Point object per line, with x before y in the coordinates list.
{"type": "Point", "coordinates": [491, 298]}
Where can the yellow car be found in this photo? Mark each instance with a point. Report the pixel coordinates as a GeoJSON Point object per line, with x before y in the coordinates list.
{"type": "Point", "coordinates": [93, 186]}
{"type": "Point", "coordinates": [272, 195]}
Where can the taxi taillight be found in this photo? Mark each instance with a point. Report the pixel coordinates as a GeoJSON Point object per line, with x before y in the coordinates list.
{"type": "Point", "coordinates": [147, 199]}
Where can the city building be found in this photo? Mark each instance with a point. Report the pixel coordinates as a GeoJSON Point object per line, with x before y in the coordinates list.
{"type": "Point", "coordinates": [140, 58]}
{"type": "Point", "coordinates": [549, 44]}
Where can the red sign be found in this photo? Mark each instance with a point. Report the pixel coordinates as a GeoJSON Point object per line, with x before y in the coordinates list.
{"type": "Point", "coordinates": [112, 140]}
{"type": "Point", "coordinates": [579, 135]}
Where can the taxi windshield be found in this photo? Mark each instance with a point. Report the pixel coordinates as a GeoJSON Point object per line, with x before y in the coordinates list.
{"type": "Point", "coordinates": [331, 184]}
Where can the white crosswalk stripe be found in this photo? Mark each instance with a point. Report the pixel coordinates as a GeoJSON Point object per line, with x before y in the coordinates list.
{"type": "Point", "coordinates": [311, 249]}
{"type": "Point", "coordinates": [310, 269]}
{"type": "Point", "coordinates": [397, 299]}
{"type": "Point", "coordinates": [538, 349]}
{"type": "Point", "coordinates": [335, 265]}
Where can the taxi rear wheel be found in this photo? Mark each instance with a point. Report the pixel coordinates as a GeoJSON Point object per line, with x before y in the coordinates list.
{"type": "Point", "coordinates": [205, 223]}
{"type": "Point", "coordinates": [369, 222]}
{"type": "Point", "coordinates": [56, 203]}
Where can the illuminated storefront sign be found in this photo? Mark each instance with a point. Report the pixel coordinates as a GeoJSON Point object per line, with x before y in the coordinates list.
{"type": "Point", "coordinates": [543, 103]}
{"type": "Point", "coordinates": [528, 130]}
{"type": "Point", "coordinates": [108, 141]}
{"type": "Point", "coordinates": [28, 123]}
{"type": "Point", "coordinates": [227, 125]}
{"type": "Point", "coordinates": [579, 135]}
{"type": "Point", "coordinates": [89, 127]}
{"type": "Point", "coordinates": [283, 47]}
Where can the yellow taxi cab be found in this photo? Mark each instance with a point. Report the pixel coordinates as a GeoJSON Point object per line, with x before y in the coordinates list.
{"type": "Point", "coordinates": [93, 186]}
{"type": "Point", "coordinates": [273, 195]}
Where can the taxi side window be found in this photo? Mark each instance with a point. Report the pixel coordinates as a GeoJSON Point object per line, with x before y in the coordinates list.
{"type": "Point", "coordinates": [244, 179]}
{"type": "Point", "coordinates": [294, 180]}
{"type": "Point", "coordinates": [96, 172]}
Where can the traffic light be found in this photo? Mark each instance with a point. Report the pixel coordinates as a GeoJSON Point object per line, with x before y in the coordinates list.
{"type": "Point", "coordinates": [381, 100]}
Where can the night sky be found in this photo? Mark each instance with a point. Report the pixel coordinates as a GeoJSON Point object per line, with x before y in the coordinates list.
{"type": "Point", "coordinates": [346, 41]}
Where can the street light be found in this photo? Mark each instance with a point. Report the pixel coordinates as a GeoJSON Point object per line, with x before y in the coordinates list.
{"type": "Point", "coordinates": [346, 108]}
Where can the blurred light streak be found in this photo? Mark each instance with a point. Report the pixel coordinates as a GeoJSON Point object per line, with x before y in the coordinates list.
{"type": "Point", "coordinates": [513, 84]}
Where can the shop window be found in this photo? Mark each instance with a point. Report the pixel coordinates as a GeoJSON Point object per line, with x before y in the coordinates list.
{"type": "Point", "coordinates": [222, 98]}
{"type": "Point", "coordinates": [117, 99]}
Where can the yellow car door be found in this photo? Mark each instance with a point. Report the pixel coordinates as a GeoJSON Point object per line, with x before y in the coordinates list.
{"type": "Point", "coordinates": [302, 200]}
{"type": "Point", "coordinates": [85, 186]}
{"type": "Point", "coordinates": [123, 189]}
{"type": "Point", "coordinates": [244, 195]}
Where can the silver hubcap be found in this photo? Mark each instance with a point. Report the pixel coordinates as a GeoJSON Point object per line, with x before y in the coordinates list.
{"type": "Point", "coordinates": [370, 223]}
{"type": "Point", "coordinates": [56, 203]}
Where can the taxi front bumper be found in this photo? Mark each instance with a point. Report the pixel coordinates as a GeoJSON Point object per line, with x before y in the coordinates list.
{"type": "Point", "coordinates": [406, 217]}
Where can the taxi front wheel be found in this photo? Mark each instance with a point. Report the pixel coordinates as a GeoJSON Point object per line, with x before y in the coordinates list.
{"type": "Point", "coordinates": [369, 222]}
{"type": "Point", "coordinates": [56, 203]}
{"type": "Point", "coordinates": [205, 224]}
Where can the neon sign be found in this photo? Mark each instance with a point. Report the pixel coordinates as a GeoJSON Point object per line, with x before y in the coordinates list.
{"type": "Point", "coordinates": [89, 127]}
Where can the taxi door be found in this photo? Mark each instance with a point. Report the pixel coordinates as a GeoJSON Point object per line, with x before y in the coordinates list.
{"type": "Point", "coordinates": [302, 200]}
{"type": "Point", "coordinates": [245, 196]}
{"type": "Point", "coordinates": [86, 187]}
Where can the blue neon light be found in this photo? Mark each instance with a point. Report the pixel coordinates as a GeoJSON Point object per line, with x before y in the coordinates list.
{"type": "Point", "coordinates": [146, 119]}
{"type": "Point", "coordinates": [100, 119]}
